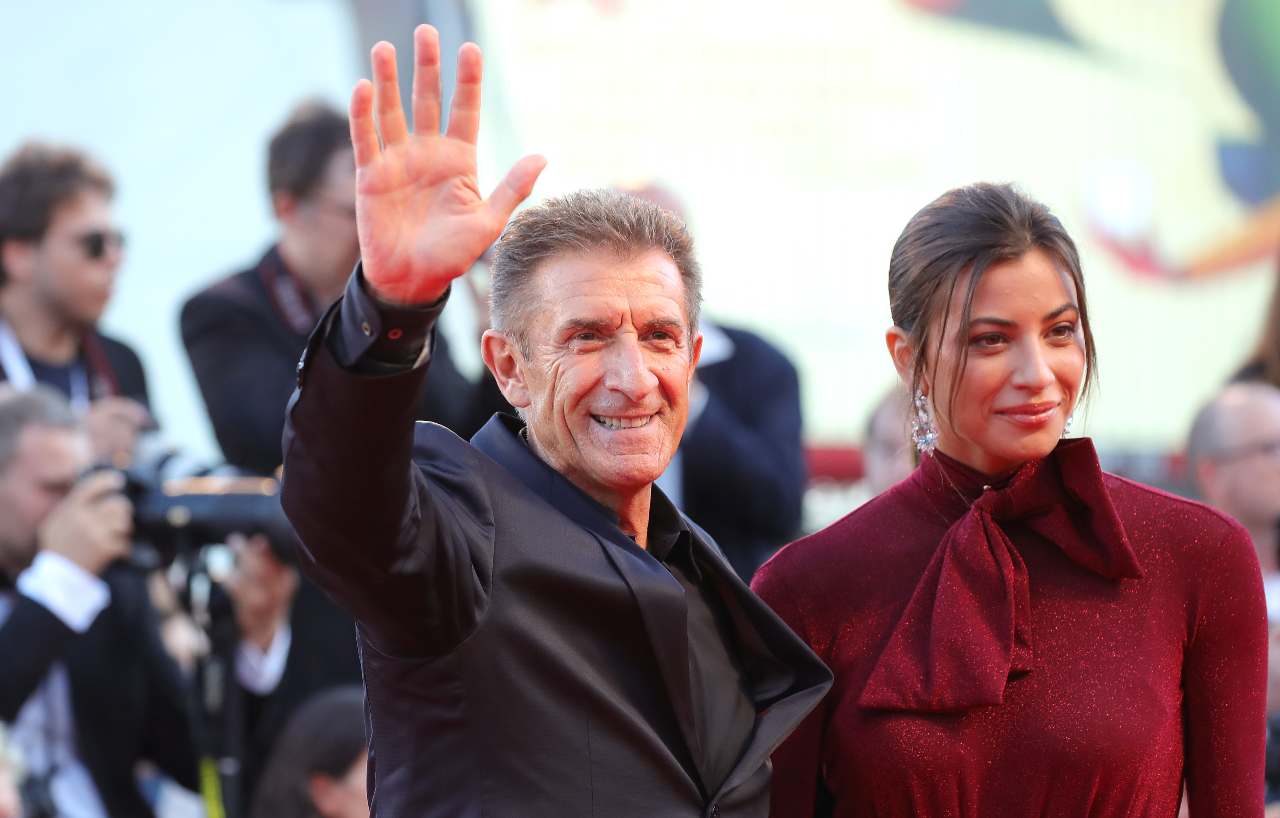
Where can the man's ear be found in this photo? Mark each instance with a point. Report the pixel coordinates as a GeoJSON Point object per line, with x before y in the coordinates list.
{"type": "Point", "coordinates": [284, 205]}
{"type": "Point", "coordinates": [697, 355]}
{"type": "Point", "coordinates": [1206, 478]}
{"type": "Point", "coordinates": [17, 258]}
{"type": "Point", "coordinates": [901, 352]}
{"type": "Point", "coordinates": [504, 359]}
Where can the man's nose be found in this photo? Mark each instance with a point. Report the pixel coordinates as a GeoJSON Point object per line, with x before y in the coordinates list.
{"type": "Point", "coordinates": [627, 371]}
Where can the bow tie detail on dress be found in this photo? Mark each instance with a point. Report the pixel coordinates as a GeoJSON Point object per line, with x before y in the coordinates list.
{"type": "Point", "coordinates": [967, 626]}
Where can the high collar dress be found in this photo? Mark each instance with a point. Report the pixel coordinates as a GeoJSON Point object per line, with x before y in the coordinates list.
{"type": "Point", "coordinates": [1059, 642]}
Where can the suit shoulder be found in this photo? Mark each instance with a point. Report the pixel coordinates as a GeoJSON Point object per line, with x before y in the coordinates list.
{"type": "Point", "coordinates": [756, 346]}
{"type": "Point", "coordinates": [242, 289]}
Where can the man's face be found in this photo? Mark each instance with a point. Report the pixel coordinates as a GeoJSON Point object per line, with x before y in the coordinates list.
{"type": "Point", "coordinates": [325, 223]}
{"type": "Point", "coordinates": [45, 466]}
{"type": "Point", "coordinates": [1244, 479]}
{"type": "Point", "coordinates": [610, 359]}
{"type": "Point", "coordinates": [74, 266]}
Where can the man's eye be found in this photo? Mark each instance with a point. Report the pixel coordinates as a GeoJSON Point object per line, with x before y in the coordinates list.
{"type": "Point", "coordinates": [586, 336]}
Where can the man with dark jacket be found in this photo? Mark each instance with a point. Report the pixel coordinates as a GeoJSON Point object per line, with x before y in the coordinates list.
{"type": "Point", "coordinates": [60, 249]}
{"type": "Point", "coordinates": [542, 632]}
{"type": "Point", "coordinates": [87, 685]}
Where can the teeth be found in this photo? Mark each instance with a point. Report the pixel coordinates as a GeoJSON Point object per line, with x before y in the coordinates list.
{"type": "Point", "coordinates": [621, 423]}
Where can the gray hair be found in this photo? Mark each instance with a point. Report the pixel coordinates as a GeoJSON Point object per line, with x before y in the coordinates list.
{"type": "Point", "coordinates": [583, 222]}
{"type": "Point", "coordinates": [39, 406]}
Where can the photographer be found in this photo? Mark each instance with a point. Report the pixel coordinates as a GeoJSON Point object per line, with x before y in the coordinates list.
{"type": "Point", "coordinates": [87, 687]}
{"type": "Point", "coordinates": [60, 249]}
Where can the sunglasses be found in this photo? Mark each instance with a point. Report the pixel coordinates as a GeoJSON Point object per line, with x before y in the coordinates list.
{"type": "Point", "coordinates": [95, 242]}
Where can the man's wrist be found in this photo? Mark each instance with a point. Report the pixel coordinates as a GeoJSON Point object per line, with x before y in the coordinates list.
{"type": "Point", "coordinates": [66, 589]}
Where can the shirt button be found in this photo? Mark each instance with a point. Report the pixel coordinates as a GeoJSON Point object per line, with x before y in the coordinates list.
{"type": "Point", "coordinates": [366, 329]}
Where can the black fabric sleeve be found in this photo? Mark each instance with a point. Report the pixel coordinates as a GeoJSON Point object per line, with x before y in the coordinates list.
{"type": "Point", "coordinates": [32, 638]}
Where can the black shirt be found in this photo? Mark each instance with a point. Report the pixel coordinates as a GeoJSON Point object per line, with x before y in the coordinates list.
{"type": "Point", "coordinates": [723, 712]}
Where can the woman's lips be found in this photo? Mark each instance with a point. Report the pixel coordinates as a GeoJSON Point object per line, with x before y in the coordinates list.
{"type": "Point", "coordinates": [1030, 415]}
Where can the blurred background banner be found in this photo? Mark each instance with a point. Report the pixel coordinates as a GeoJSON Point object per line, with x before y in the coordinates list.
{"type": "Point", "coordinates": [800, 136]}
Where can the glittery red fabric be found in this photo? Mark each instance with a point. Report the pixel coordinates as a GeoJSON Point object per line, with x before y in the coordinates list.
{"type": "Point", "coordinates": [1059, 644]}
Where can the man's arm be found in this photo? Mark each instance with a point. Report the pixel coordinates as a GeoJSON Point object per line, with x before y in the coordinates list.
{"type": "Point", "coordinates": [380, 534]}
{"type": "Point", "coordinates": [60, 594]}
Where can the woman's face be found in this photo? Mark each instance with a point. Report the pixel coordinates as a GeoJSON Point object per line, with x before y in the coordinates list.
{"type": "Point", "coordinates": [1026, 363]}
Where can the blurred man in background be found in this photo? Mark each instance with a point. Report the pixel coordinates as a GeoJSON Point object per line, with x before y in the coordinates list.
{"type": "Point", "coordinates": [740, 469]}
{"type": "Point", "coordinates": [245, 333]}
{"type": "Point", "coordinates": [1234, 459]}
{"type": "Point", "coordinates": [886, 447]}
{"type": "Point", "coordinates": [60, 249]}
{"type": "Point", "coordinates": [87, 686]}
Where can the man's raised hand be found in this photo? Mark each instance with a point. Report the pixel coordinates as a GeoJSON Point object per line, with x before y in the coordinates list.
{"type": "Point", "coordinates": [421, 217]}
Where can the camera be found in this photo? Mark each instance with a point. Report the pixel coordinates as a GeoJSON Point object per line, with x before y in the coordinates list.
{"type": "Point", "coordinates": [177, 509]}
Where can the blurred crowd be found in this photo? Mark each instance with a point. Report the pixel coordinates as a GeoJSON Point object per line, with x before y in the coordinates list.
{"type": "Point", "coordinates": [146, 681]}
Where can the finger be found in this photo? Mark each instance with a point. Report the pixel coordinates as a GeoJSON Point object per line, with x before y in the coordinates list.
{"type": "Point", "coordinates": [426, 80]}
{"type": "Point", "coordinates": [386, 95]}
{"type": "Point", "coordinates": [364, 136]}
{"type": "Point", "coordinates": [464, 113]}
{"type": "Point", "coordinates": [516, 187]}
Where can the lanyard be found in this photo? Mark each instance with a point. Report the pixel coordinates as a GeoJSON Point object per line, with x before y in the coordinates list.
{"type": "Point", "coordinates": [18, 369]}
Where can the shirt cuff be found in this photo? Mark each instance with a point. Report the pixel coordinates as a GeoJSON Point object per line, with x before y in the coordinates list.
{"type": "Point", "coordinates": [68, 591]}
{"type": "Point", "coordinates": [260, 671]}
{"type": "Point", "coordinates": [373, 336]}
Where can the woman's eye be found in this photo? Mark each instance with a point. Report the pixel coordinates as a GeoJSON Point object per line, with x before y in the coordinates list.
{"type": "Point", "coordinates": [1063, 331]}
{"type": "Point", "coordinates": [988, 341]}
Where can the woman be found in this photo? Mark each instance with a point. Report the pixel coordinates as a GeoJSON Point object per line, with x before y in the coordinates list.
{"type": "Point", "coordinates": [318, 766]}
{"type": "Point", "coordinates": [1013, 632]}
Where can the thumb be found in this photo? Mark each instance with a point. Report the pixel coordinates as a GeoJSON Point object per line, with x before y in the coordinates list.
{"type": "Point", "coordinates": [516, 187]}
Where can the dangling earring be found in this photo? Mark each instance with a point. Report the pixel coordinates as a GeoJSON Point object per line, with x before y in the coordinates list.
{"type": "Point", "coordinates": [923, 432]}
{"type": "Point", "coordinates": [1066, 429]}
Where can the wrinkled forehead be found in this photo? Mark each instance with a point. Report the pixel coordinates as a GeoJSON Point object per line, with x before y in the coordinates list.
{"type": "Point", "coordinates": [603, 285]}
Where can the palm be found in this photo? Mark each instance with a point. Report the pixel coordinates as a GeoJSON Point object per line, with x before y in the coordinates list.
{"type": "Point", "coordinates": [421, 216]}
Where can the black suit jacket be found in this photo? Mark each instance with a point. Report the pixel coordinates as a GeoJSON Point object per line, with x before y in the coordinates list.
{"type": "Point", "coordinates": [128, 697]}
{"type": "Point", "coordinates": [244, 353]}
{"type": "Point", "coordinates": [742, 461]}
{"type": "Point", "coordinates": [522, 657]}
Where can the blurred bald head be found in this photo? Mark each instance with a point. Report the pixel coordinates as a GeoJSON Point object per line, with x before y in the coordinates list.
{"type": "Point", "coordinates": [1234, 453]}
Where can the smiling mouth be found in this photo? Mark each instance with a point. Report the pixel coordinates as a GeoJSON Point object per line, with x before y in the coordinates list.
{"type": "Point", "coordinates": [1031, 414]}
{"type": "Point", "coordinates": [617, 424]}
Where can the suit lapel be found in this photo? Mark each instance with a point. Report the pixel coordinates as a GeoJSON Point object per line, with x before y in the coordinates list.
{"type": "Point", "coordinates": [785, 679]}
{"type": "Point", "coordinates": [659, 596]}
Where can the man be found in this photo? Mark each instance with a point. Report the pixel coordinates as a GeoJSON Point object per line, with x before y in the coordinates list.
{"type": "Point", "coordinates": [87, 686]}
{"type": "Point", "coordinates": [243, 334]}
{"type": "Point", "coordinates": [1234, 459]}
{"type": "Point", "coordinates": [740, 469]}
{"type": "Point", "coordinates": [542, 633]}
{"type": "Point", "coordinates": [60, 249]}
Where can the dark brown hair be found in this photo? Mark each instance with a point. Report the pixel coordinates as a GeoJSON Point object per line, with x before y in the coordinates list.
{"type": "Point", "coordinates": [301, 149]}
{"type": "Point", "coordinates": [582, 222]}
{"type": "Point", "coordinates": [325, 736]}
{"type": "Point", "coordinates": [37, 180]}
{"type": "Point", "coordinates": [963, 231]}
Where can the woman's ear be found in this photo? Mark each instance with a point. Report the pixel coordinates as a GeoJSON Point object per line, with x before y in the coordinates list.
{"type": "Point", "coordinates": [901, 352]}
{"type": "Point", "coordinates": [503, 357]}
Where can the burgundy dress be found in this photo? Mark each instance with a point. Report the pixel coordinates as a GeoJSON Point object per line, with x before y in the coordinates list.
{"type": "Point", "coordinates": [1064, 643]}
